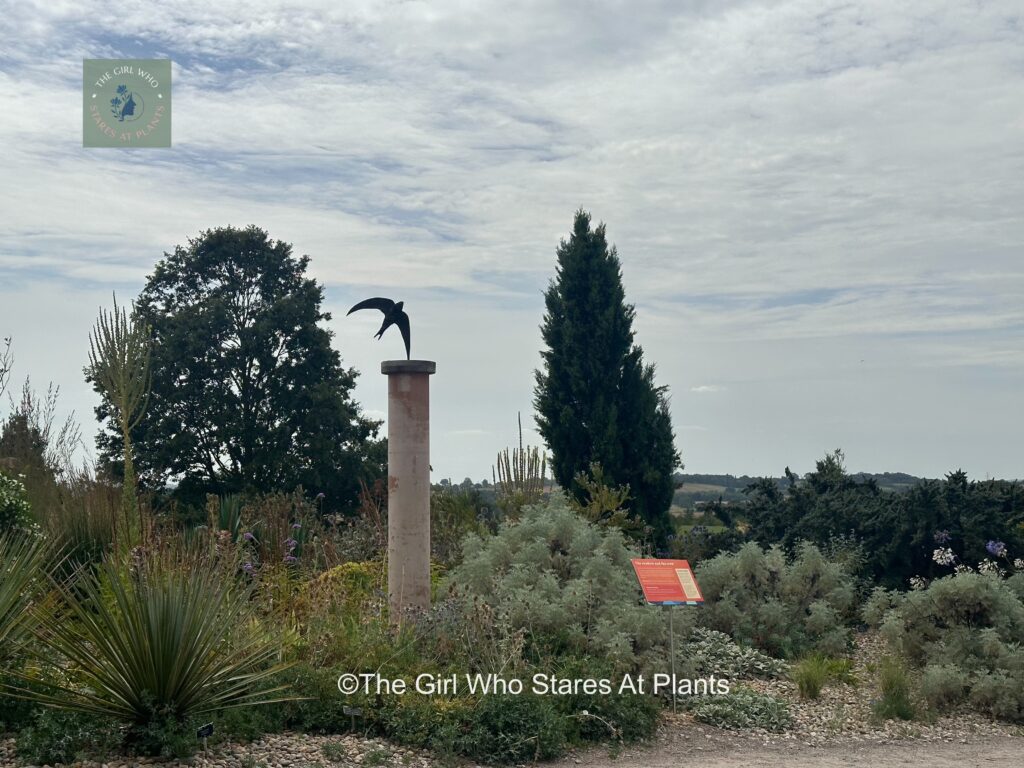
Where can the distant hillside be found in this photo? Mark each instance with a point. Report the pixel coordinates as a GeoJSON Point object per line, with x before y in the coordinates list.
{"type": "Point", "coordinates": [702, 488]}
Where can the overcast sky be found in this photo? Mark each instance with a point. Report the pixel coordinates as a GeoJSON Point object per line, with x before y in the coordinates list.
{"type": "Point", "coordinates": [818, 205]}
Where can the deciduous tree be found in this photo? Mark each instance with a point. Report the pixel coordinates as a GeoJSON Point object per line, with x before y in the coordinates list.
{"type": "Point", "coordinates": [248, 395]}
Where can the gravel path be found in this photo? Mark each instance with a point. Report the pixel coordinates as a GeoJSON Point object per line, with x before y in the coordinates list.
{"type": "Point", "coordinates": [735, 751]}
{"type": "Point", "coordinates": [678, 745]}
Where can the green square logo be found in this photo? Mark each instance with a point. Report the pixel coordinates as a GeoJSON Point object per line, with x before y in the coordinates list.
{"type": "Point", "coordinates": [126, 102]}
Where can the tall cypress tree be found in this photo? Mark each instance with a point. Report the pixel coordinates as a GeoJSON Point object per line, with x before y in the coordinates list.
{"type": "Point", "coordinates": [596, 400]}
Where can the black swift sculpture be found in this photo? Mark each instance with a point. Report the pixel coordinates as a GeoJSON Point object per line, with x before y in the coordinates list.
{"type": "Point", "coordinates": [393, 315]}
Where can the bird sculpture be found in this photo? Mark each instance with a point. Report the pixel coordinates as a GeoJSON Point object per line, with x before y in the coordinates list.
{"type": "Point", "coordinates": [393, 315]}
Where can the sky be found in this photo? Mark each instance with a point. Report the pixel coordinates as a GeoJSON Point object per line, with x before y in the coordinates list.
{"type": "Point", "coordinates": [817, 205]}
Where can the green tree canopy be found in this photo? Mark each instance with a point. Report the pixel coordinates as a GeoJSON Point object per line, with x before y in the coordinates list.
{"type": "Point", "coordinates": [247, 393]}
{"type": "Point", "coordinates": [596, 400]}
{"type": "Point", "coordinates": [897, 530]}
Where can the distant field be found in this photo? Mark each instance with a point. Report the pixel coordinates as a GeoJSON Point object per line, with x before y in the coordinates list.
{"type": "Point", "coordinates": [702, 487]}
{"type": "Point", "coordinates": [711, 528]}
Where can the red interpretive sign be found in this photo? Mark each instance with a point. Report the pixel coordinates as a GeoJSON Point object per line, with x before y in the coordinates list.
{"type": "Point", "coordinates": [667, 582]}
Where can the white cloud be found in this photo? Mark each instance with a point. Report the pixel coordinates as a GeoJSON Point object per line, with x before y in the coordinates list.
{"type": "Point", "coordinates": [841, 180]}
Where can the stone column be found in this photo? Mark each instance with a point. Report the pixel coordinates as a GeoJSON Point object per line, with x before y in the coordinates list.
{"type": "Point", "coordinates": [408, 484]}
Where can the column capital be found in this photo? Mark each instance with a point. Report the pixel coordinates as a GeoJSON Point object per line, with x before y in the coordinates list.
{"type": "Point", "coordinates": [388, 367]}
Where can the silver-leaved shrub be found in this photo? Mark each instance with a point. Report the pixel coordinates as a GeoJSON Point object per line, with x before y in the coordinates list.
{"type": "Point", "coordinates": [567, 585]}
{"type": "Point", "coordinates": [784, 606]}
{"type": "Point", "coordinates": [964, 632]}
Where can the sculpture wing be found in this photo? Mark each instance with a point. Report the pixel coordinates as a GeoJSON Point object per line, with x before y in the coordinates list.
{"type": "Point", "coordinates": [384, 305]}
{"type": "Point", "coordinates": [402, 321]}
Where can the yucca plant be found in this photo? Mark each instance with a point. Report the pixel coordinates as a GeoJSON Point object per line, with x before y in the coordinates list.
{"type": "Point", "coordinates": [163, 640]}
{"type": "Point", "coordinates": [22, 558]}
{"type": "Point", "coordinates": [225, 514]}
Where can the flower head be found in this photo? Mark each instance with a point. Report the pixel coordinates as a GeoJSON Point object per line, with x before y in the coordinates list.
{"type": "Point", "coordinates": [290, 558]}
{"type": "Point", "coordinates": [248, 536]}
{"type": "Point", "coordinates": [988, 566]}
{"type": "Point", "coordinates": [944, 556]}
{"type": "Point", "coordinates": [296, 526]}
{"type": "Point", "coordinates": [320, 496]}
{"type": "Point", "coordinates": [248, 568]}
{"type": "Point", "coordinates": [996, 548]}
{"type": "Point", "coordinates": [942, 537]}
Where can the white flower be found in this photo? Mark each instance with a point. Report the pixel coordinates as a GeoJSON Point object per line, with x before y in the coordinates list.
{"type": "Point", "coordinates": [944, 556]}
{"type": "Point", "coordinates": [987, 566]}
{"type": "Point", "coordinates": [918, 582]}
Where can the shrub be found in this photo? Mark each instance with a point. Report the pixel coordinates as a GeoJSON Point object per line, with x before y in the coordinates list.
{"type": "Point", "coordinates": [59, 736]}
{"type": "Point", "coordinates": [514, 729]}
{"type": "Point", "coordinates": [743, 708]}
{"type": "Point", "coordinates": [454, 512]}
{"type": "Point", "coordinates": [894, 683]}
{"type": "Point", "coordinates": [15, 512]}
{"type": "Point", "coordinates": [878, 603]}
{"type": "Point", "coordinates": [347, 588]}
{"type": "Point", "coordinates": [710, 652]}
{"type": "Point", "coordinates": [153, 649]}
{"type": "Point", "coordinates": [943, 685]}
{"type": "Point", "coordinates": [965, 631]}
{"type": "Point", "coordinates": [566, 582]}
{"type": "Point", "coordinates": [699, 543]}
{"type": "Point", "coordinates": [969, 619]}
{"type": "Point", "coordinates": [1000, 693]}
{"type": "Point", "coordinates": [783, 606]}
{"type": "Point", "coordinates": [599, 717]}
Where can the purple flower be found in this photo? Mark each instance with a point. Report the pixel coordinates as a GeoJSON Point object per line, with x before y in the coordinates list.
{"type": "Point", "coordinates": [996, 548]}
{"type": "Point", "coordinates": [320, 496]}
{"type": "Point", "coordinates": [290, 558]}
{"type": "Point", "coordinates": [941, 537]}
{"type": "Point", "coordinates": [248, 536]}
{"type": "Point", "coordinates": [296, 526]}
{"type": "Point", "coordinates": [248, 568]}
{"type": "Point", "coordinates": [291, 544]}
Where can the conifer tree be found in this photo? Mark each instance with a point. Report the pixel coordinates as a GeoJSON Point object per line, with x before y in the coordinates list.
{"type": "Point", "coordinates": [595, 397]}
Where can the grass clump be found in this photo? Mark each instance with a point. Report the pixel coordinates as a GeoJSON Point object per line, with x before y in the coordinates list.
{"type": "Point", "coordinates": [814, 672]}
{"type": "Point", "coordinates": [894, 682]}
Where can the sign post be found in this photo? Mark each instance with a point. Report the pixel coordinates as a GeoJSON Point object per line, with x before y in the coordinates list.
{"type": "Point", "coordinates": [204, 732]}
{"type": "Point", "coordinates": [668, 583]}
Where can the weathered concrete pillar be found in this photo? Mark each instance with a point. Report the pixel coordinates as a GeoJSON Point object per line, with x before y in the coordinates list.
{"type": "Point", "coordinates": [408, 484]}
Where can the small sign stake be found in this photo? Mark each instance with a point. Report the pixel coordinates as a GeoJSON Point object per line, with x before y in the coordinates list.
{"type": "Point", "coordinates": [205, 732]}
{"type": "Point", "coordinates": [668, 583]}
